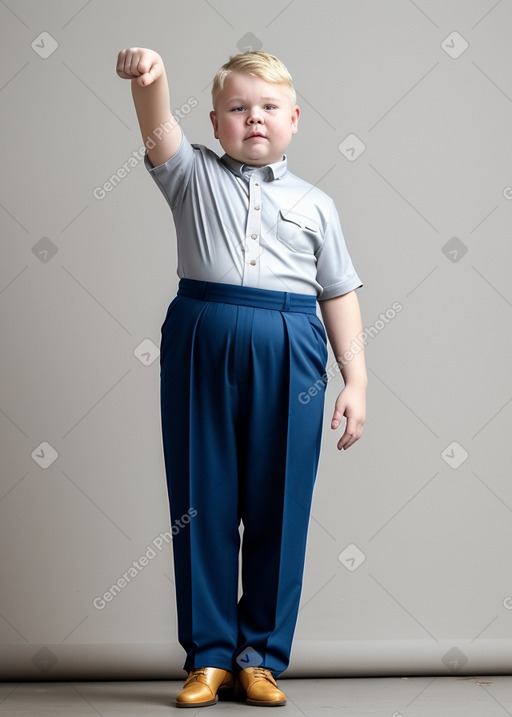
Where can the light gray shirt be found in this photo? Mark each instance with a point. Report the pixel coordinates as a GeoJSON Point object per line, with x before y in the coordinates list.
{"type": "Point", "coordinates": [253, 226]}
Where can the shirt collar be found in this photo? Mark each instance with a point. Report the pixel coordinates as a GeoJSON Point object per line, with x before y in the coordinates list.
{"type": "Point", "coordinates": [269, 171]}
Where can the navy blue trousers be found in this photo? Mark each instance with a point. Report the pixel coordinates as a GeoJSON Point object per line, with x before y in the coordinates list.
{"type": "Point", "coordinates": [241, 439]}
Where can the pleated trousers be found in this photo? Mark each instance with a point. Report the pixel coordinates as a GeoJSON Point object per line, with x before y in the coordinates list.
{"type": "Point", "coordinates": [242, 388]}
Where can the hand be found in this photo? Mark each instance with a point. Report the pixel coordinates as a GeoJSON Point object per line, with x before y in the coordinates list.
{"type": "Point", "coordinates": [137, 63]}
{"type": "Point", "coordinates": [350, 403]}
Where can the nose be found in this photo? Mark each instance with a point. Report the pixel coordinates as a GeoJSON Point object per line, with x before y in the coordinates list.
{"type": "Point", "coordinates": [255, 116]}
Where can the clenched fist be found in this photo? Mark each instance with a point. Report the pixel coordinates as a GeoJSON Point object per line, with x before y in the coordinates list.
{"type": "Point", "coordinates": [140, 64]}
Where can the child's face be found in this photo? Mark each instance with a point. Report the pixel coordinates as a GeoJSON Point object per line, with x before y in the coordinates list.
{"type": "Point", "coordinates": [253, 119]}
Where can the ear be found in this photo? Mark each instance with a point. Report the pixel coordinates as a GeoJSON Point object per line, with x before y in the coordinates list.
{"type": "Point", "coordinates": [215, 123]}
{"type": "Point", "coordinates": [295, 119]}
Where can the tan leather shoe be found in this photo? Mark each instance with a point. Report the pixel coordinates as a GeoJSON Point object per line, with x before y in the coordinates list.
{"type": "Point", "coordinates": [203, 685]}
{"type": "Point", "coordinates": [260, 687]}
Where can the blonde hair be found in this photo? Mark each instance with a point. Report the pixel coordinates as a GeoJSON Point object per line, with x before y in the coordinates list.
{"type": "Point", "coordinates": [255, 62]}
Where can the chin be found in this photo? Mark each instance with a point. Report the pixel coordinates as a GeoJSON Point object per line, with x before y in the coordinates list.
{"type": "Point", "coordinates": [258, 161]}
{"type": "Point", "coordinates": [257, 156]}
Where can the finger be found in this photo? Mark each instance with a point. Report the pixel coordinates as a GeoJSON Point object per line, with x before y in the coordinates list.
{"type": "Point", "coordinates": [347, 440]}
{"type": "Point", "coordinates": [124, 69]}
{"type": "Point", "coordinates": [146, 78]}
{"type": "Point", "coordinates": [143, 80]}
{"type": "Point", "coordinates": [132, 63]}
{"type": "Point", "coordinates": [353, 432]}
{"type": "Point", "coordinates": [337, 416]}
{"type": "Point", "coordinates": [126, 60]}
{"type": "Point", "coordinates": [120, 67]}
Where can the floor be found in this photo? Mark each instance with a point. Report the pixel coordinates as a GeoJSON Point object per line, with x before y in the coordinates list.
{"type": "Point", "coordinates": [484, 696]}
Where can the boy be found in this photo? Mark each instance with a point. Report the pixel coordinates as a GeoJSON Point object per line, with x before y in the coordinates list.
{"type": "Point", "coordinates": [243, 357]}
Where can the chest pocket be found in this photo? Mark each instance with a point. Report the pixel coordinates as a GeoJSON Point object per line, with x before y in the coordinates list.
{"type": "Point", "coordinates": [298, 233]}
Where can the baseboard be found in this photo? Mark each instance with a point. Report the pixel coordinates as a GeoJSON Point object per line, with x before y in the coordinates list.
{"type": "Point", "coordinates": [310, 659]}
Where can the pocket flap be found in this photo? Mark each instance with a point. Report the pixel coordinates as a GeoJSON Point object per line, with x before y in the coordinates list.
{"type": "Point", "coordinates": [300, 220]}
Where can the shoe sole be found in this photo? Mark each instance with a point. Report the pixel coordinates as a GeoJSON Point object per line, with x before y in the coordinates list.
{"type": "Point", "coordinates": [240, 695]}
{"type": "Point", "coordinates": [223, 694]}
{"type": "Point", "coordinates": [260, 703]}
{"type": "Point", "coordinates": [197, 704]}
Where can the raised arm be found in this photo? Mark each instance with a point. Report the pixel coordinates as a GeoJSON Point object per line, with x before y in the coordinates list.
{"type": "Point", "coordinates": [160, 131]}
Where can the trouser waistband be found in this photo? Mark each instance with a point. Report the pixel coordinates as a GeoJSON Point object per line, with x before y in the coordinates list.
{"type": "Point", "coordinates": [247, 295]}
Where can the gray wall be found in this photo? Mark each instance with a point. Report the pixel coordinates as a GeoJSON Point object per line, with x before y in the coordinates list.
{"type": "Point", "coordinates": [407, 567]}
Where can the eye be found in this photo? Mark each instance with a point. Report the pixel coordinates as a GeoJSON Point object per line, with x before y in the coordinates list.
{"type": "Point", "coordinates": [270, 107]}
{"type": "Point", "coordinates": [236, 109]}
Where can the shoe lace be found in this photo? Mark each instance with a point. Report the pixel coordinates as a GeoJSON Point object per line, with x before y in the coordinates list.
{"type": "Point", "coordinates": [199, 672]}
{"type": "Point", "coordinates": [263, 672]}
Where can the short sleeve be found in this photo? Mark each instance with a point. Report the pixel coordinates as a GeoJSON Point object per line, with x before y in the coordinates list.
{"type": "Point", "coordinates": [173, 176]}
{"type": "Point", "coordinates": [335, 271]}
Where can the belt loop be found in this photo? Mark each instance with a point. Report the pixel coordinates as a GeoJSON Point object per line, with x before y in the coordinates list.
{"type": "Point", "coordinates": [204, 286]}
{"type": "Point", "coordinates": [286, 306]}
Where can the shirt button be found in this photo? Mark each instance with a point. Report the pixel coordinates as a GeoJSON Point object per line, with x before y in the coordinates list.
{"type": "Point", "coordinates": [254, 236]}
{"type": "Point", "coordinates": [253, 262]}
{"type": "Point", "coordinates": [258, 207]}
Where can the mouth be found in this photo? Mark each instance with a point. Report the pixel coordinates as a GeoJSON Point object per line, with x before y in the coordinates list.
{"type": "Point", "coordinates": [256, 135]}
